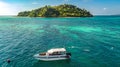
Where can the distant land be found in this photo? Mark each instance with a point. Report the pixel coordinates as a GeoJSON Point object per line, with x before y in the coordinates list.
{"type": "Point", "coordinates": [64, 10]}
{"type": "Point", "coordinates": [117, 15]}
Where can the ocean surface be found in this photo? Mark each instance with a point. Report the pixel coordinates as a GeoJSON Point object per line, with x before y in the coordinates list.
{"type": "Point", "coordinates": [93, 42]}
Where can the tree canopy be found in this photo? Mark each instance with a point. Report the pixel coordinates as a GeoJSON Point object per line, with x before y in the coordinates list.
{"type": "Point", "coordinates": [65, 10]}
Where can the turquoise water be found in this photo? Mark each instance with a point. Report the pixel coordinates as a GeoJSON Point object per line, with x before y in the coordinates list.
{"type": "Point", "coordinates": [93, 42]}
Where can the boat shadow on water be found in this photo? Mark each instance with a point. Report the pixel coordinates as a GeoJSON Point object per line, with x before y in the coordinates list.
{"type": "Point", "coordinates": [56, 63]}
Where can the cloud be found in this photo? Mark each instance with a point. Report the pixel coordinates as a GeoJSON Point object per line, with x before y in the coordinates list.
{"type": "Point", "coordinates": [34, 3]}
{"type": "Point", "coordinates": [66, 0]}
{"type": "Point", "coordinates": [7, 9]}
{"type": "Point", "coordinates": [104, 8]}
{"type": "Point", "coordinates": [86, 0]}
{"type": "Point", "coordinates": [79, 0]}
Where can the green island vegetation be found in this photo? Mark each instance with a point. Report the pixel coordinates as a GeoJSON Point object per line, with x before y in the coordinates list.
{"type": "Point", "coordinates": [65, 10]}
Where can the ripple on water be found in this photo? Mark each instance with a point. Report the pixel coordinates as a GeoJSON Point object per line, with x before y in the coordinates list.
{"type": "Point", "coordinates": [92, 41]}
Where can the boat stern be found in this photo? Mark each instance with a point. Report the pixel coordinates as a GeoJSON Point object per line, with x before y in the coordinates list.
{"type": "Point", "coordinates": [68, 55]}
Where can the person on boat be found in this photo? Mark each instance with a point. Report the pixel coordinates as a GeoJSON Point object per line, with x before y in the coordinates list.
{"type": "Point", "coordinates": [8, 60]}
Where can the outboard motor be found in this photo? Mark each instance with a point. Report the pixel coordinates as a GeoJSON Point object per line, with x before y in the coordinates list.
{"type": "Point", "coordinates": [68, 54]}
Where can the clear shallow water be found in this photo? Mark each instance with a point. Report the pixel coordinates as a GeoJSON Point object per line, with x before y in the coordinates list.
{"type": "Point", "coordinates": [93, 42]}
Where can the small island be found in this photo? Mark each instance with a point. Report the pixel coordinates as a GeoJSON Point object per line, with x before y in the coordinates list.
{"type": "Point", "coordinates": [65, 10]}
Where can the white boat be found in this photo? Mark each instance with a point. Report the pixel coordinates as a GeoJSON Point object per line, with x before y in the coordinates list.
{"type": "Point", "coordinates": [53, 54]}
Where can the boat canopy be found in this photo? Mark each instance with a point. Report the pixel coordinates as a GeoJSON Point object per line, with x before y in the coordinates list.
{"type": "Point", "coordinates": [57, 50]}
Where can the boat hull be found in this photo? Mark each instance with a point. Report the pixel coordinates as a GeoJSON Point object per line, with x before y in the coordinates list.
{"type": "Point", "coordinates": [51, 58]}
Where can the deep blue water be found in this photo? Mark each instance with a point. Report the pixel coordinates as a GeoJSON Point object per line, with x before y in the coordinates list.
{"type": "Point", "coordinates": [93, 42]}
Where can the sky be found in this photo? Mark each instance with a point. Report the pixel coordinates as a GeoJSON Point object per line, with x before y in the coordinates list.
{"type": "Point", "coordinates": [96, 7]}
